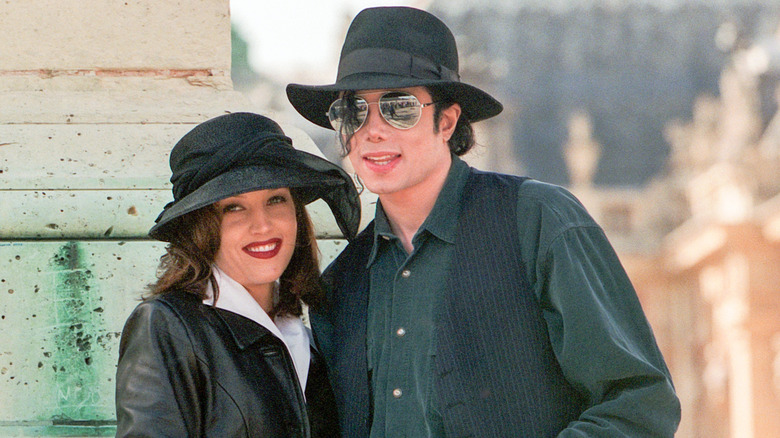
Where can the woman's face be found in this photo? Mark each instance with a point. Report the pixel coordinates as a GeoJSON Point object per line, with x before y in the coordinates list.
{"type": "Point", "coordinates": [257, 231]}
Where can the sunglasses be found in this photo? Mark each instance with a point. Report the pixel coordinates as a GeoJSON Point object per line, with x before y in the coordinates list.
{"type": "Point", "coordinates": [400, 110]}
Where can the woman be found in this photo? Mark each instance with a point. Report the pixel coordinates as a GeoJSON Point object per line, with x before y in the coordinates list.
{"type": "Point", "coordinates": [218, 347]}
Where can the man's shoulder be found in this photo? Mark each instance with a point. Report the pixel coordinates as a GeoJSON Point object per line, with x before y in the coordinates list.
{"type": "Point", "coordinates": [535, 198]}
{"type": "Point", "coordinates": [479, 177]}
{"type": "Point", "coordinates": [354, 255]}
{"type": "Point", "coordinates": [553, 205]}
{"type": "Point", "coordinates": [546, 193]}
{"type": "Point", "coordinates": [529, 187]}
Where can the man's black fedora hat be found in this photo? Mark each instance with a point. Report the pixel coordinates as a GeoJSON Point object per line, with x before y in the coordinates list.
{"type": "Point", "coordinates": [395, 47]}
{"type": "Point", "coordinates": [243, 152]}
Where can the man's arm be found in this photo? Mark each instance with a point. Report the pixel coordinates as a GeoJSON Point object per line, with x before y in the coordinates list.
{"type": "Point", "coordinates": [596, 325]}
{"type": "Point", "coordinates": [603, 342]}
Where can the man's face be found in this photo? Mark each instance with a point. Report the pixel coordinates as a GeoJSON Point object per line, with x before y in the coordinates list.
{"type": "Point", "coordinates": [393, 161]}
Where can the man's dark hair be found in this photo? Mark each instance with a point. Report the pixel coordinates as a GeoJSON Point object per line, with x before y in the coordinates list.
{"type": "Point", "coordinates": [462, 139]}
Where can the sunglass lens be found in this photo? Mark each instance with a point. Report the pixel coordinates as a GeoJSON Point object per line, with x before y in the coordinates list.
{"type": "Point", "coordinates": [347, 115]}
{"type": "Point", "coordinates": [401, 110]}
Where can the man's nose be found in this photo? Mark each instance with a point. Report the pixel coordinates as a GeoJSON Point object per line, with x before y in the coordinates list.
{"type": "Point", "coordinates": [375, 123]}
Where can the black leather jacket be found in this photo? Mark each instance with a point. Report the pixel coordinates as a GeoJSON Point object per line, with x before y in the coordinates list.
{"type": "Point", "coordinates": [188, 369]}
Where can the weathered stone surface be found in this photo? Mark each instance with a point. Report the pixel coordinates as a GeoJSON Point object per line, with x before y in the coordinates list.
{"type": "Point", "coordinates": [94, 96]}
{"type": "Point", "coordinates": [120, 36]}
{"type": "Point", "coordinates": [111, 213]}
{"type": "Point", "coordinates": [62, 307]}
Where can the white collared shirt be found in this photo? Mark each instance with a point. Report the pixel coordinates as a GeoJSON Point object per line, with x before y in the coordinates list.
{"type": "Point", "coordinates": [290, 329]}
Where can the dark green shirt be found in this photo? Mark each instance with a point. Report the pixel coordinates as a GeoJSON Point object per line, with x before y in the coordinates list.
{"type": "Point", "coordinates": [595, 323]}
{"type": "Point", "coordinates": [400, 333]}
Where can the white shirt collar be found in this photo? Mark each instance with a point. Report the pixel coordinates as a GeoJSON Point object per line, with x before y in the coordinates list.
{"type": "Point", "coordinates": [235, 298]}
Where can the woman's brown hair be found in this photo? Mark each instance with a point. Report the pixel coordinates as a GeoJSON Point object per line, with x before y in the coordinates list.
{"type": "Point", "coordinates": [194, 240]}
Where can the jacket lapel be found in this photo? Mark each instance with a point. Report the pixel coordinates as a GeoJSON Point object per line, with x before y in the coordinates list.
{"type": "Point", "coordinates": [244, 331]}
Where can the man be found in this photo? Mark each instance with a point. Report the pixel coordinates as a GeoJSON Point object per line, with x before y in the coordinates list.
{"type": "Point", "coordinates": [475, 304]}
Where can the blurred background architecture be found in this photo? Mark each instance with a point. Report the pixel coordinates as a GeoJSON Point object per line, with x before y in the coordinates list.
{"type": "Point", "coordinates": [660, 115]}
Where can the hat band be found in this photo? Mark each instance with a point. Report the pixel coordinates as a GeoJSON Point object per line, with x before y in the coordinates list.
{"type": "Point", "coordinates": [391, 61]}
{"type": "Point", "coordinates": [255, 149]}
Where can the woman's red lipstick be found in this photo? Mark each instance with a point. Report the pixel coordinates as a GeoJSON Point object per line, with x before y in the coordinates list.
{"type": "Point", "coordinates": [264, 250]}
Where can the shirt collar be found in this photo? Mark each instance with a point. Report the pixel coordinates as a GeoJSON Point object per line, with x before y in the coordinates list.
{"type": "Point", "coordinates": [233, 297]}
{"type": "Point", "coordinates": [441, 222]}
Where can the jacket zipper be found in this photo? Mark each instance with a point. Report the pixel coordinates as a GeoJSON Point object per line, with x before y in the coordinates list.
{"type": "Point", "coordinates": [298, 390]}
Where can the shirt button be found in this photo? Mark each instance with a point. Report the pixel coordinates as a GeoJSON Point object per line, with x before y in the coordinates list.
{"type": "Point", "coordinates": [397, 393]}
{"type": "Point", "coordinates": [406, 273]}
{"type": "Point", "coordinates": [400, 332]}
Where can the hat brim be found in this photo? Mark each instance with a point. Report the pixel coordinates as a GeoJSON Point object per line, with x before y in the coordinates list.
{"type": "Point", "coordinates": [313, 101]}
{"type": "Point", "coordinates": [311, 177]}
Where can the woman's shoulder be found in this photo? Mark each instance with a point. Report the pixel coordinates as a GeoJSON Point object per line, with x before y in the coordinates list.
{"type": "Point", "coordinates": [178, 320]}
{"type": "Point", "coordinates": [167, 309]}
{"type": "Point", "coordinates": [170, 300]}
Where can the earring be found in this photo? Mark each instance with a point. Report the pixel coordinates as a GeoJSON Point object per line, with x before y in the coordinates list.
{"type": "Point", "coordinates": [358, 183]}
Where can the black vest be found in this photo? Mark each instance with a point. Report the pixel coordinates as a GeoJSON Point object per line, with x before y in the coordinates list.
{"type": "Point", "coordinates": [495, 371]}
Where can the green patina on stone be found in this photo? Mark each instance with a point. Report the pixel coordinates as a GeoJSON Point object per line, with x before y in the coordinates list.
{"type": "Point", "coordinates": [76, 332]}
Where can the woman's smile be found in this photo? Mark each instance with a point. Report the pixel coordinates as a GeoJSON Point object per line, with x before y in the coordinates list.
{"type": "Point", "coordinates": [264, 250]}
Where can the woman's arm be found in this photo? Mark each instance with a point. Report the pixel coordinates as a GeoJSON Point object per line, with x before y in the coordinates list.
{"type": "Point", "coordinates": [157, 376]}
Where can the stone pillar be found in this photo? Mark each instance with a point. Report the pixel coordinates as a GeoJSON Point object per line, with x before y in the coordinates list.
{"type": "Point", "coordinates": [94, 95]}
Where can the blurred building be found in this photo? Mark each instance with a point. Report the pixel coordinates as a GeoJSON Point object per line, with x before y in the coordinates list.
{"type": "Point", "coordinates": [713, 286]}
{"type": "Point", "coordinates": [632, 65]}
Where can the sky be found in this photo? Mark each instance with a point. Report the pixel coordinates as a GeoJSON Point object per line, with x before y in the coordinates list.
{"type": "Point", "coordinates": [299, 39]}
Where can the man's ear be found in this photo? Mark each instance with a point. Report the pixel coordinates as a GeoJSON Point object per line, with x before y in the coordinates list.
{"type": "Point", "coordinates": [448, 119]}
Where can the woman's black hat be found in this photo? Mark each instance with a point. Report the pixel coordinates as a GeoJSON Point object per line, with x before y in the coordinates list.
{"type": "Point", "coordinates": [243, 152]}
{"type": "Point", "coordinates": [395, 47]}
